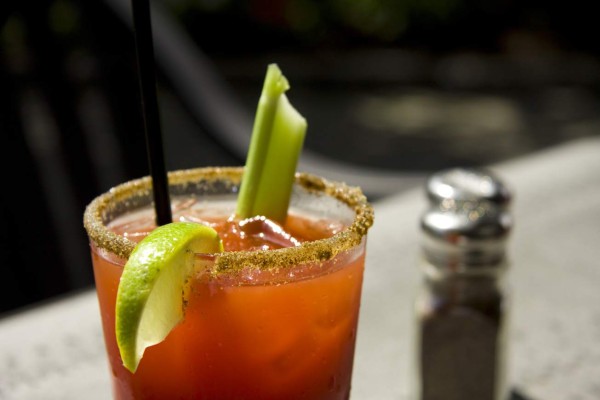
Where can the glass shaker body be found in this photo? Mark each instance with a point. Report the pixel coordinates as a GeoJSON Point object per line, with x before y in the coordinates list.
{"type": "Point", "coordinates": [462, 323]}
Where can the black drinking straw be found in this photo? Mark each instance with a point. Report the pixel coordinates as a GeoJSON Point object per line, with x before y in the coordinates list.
{"type": "Point", "coordinates": [147, 77]}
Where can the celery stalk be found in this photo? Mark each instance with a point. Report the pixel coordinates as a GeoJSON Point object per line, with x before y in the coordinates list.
{"type": "Point", "coordinates": [277, 140]}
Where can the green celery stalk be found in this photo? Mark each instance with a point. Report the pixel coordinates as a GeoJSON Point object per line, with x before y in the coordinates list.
{"type": "Point", "coordinates": [277, 140]}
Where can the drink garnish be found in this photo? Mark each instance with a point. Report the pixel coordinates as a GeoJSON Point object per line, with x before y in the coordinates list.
{"type": "Point", "coordinates": [149, 299]}
{"type": "Point", "coordinates": [277, 140]}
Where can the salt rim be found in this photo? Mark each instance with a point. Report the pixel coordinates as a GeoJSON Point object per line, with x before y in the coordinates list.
{"type": "Point", "coordinates": [308, 252]}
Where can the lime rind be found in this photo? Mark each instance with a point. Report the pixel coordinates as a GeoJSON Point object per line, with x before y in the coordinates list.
{"type": "Point", "coordinates": [150, 297]}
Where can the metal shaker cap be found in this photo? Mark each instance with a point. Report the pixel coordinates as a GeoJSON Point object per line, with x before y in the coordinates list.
{"type": "Point", "coordinates": [468, 219]}
{"type": "Point", "coordinates": [467, 185]}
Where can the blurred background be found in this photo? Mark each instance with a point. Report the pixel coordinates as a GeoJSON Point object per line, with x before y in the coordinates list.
{"type": "Point", "coordinates": [392, 91]}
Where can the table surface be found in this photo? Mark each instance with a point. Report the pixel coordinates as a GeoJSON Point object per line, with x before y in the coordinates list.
{"type": "Point", "coordinates": [55, 350]}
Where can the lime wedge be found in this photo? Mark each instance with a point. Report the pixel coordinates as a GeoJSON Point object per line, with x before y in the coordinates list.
{"type": "Point", "coordinates": [150, 295]}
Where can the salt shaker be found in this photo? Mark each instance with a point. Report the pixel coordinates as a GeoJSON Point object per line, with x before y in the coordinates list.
{"type": "Point", "coordinates": [462, 311]}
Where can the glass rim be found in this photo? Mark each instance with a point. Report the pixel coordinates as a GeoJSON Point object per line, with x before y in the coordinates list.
{"type": "Point", "coordinates": [320, 250]}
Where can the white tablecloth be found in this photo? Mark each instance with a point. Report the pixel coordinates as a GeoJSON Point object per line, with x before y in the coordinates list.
{"type": "Point", "coordinates": [55, 351]}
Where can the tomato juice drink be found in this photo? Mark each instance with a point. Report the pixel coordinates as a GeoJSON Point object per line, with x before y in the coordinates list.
{"type": "Point", "coordinates": [273, 317]}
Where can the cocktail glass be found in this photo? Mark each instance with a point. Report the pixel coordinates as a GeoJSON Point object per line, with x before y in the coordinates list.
{"type": "Point", "coordinates": [274, 324]}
